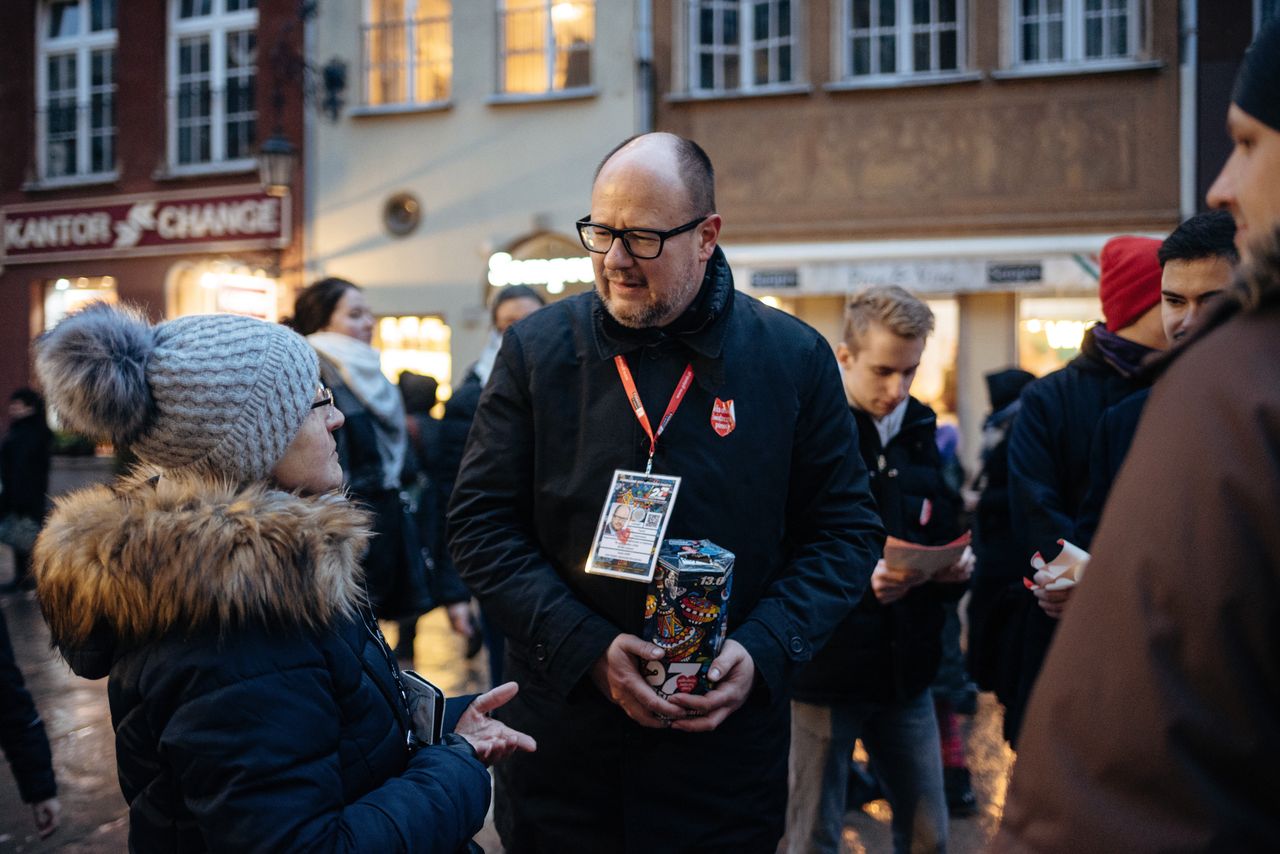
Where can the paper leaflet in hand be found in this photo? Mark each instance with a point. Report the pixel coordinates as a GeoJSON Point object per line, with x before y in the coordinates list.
{"type": "Point", "coordinates": [928, 560]}
{"type": "Point", "coordinates": [1067, 568]}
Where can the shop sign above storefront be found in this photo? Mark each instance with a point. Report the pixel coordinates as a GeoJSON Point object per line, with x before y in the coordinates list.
{"type": "Point", "coordinates": [227, 219]}
{"type": "Point", "coordinates": [1008, 274]}
{"type": "Point", "coordinates": [545, 259]}
{"type": "Point", "coordinates": [775, 279]}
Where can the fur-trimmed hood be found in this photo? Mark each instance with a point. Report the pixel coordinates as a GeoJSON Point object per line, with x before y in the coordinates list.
{"type": "Point", "coordinates": [121, 564]}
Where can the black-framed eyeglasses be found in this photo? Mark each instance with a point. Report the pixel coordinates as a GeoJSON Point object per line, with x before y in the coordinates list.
{"type": "Point", "coordinates": [324, 398]}
{"type": "Point", "coordinates": [642, 243]}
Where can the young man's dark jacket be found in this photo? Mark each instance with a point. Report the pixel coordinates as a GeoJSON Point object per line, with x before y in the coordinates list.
{"type": "Point", "coordinates": [1049, 452]}
{"type": "Point", "coordinates": [890, 653]}
{"type": "Point", "coordinates": [781, 490]}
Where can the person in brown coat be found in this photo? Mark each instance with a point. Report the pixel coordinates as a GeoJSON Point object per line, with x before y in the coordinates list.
{"type": "Point", "coordinates": [1154, 725]}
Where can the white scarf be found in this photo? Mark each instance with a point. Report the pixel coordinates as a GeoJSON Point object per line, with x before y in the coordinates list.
{"type": "Point", "coordinates": [484, 365]}
{"type": "Point", "coordinates": [360, 367]}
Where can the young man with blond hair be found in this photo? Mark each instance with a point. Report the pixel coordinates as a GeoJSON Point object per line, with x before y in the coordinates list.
{"type": "Point", "coordinates": [871, 681]}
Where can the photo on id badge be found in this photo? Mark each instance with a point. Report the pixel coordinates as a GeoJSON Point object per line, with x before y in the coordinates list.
{"type": "Point", "coordinates": [632, 524]}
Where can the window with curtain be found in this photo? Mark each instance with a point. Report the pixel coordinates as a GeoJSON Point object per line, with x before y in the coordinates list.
{"type": "Point", "coordinates": [544, 46]}
{"type": "Point", "coordinates": [76, 88]}
{"type": "Point", "coordinates": [1049, 32]}
{"type": "Point", "coordinates": [408, 51]}
{"type": "Point", "coordinates": [213, 71]}
{"type": "Point", "coordinates": [741, 45]}
{"type": "Point", "coordinates": [890, 38]}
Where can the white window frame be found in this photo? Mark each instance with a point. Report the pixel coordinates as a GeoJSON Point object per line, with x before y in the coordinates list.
{"type": "Point", "coordinates": [82, 46]}
{"type": "Point", "coordinates": [904, 40]}
{"type": "Point", "coordinates": [216, 26]}
{"type": "Point", "coordinates": [1073, 45]}
{"type": "Point", "coordinates": [745, 48]}
{"type": "Point", "coordinates": [548, 52]}
{"type": "Point", "coordinates": [410, 68]}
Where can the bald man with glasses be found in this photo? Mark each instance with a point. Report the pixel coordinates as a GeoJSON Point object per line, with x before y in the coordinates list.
{"type": "Point", "coordinates": [663, 368]}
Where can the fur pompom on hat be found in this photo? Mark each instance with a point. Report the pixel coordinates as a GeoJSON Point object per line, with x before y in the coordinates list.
{"type": "Point", "coordinates": [217, 394]}
{"type": "Point", "coordinates": [1129, 284]}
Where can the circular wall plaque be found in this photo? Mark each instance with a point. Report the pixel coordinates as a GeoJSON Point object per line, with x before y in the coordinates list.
{"type": "Point", "coordinates": [402, 213]}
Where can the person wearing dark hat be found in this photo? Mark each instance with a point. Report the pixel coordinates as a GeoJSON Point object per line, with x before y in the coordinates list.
{"type": "Point", "coordinates": [1154, 727]}
{"type": "Point", "coordinates": [255, 704]}
{"type": "Point", "coordinates": [1050, 441]}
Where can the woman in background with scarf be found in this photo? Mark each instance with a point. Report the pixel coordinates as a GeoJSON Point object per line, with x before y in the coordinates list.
{"type": "Point", "coordinates": [336, 319]}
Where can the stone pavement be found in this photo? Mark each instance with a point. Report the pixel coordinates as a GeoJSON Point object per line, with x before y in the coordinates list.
{"type": "Point", "coordinates": [94, 815]}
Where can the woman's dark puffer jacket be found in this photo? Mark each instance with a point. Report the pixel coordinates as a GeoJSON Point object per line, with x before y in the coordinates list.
{"type": "Point", "coordinates": [255, 706]}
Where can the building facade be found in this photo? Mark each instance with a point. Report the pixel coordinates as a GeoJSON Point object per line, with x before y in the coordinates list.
{"type": "Point", "coordinates": [976, 152]}
{"type": "Point", "coordinates": [465, 156]}
{"type": "Point", "coordinates": [129, 170]}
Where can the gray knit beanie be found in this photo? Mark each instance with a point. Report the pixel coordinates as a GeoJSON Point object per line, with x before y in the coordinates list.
{"type": "Point", "coordinates": [217, 394]}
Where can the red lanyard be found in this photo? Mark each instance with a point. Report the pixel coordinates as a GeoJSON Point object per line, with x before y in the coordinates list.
{"type": "Point", "coordinates": [633, 396]}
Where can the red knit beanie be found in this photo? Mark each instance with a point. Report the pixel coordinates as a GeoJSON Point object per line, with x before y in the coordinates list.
{"type": "Point", "coordinates": [1130, 281]}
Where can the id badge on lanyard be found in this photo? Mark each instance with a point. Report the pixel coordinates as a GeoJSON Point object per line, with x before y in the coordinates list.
{"type": "Point", "coordinates": [638, 507]}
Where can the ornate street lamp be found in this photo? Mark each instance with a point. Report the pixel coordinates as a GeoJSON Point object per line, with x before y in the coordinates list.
{"type": "Point", "coordinates": [276, 159]}
{"type": "Point", "coordinates": [277, 156]}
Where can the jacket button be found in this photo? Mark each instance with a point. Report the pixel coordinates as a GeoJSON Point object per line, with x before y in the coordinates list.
{"type": "Point", "coordinates": [797, 645]}
{"type": "Point", "coordinates": [540, 652]}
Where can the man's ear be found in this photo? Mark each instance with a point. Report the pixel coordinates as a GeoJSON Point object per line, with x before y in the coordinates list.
{"type": "Point", "coordinates": [708, 234]}
{"type": "Point", "coordinates": [844, 356]}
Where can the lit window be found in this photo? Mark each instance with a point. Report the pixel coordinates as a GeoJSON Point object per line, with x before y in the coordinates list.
{"type": "Point", "coordinates": [408, 51]}
{"type": "Point", "coordinates": [416, 343]}
{"type": "Point", "coordinates": [76, 83]}
{"type": "Point", "coordinates": [220, 287]}
{"type": "Point", "coordinates": [68, 295]}
{"type": "Point", "coordinates": [741, 45]}
{"type": "Point", "coordinates": [545, 45]}
{"type": "Point", "coordinates": [1049, 32]}
{"type": "Point", "coordinates": [1051, 330]}
{"type": "Point", "coordinates": [889, 38]}
{"type": "Point", "coordinates": [213, 71]}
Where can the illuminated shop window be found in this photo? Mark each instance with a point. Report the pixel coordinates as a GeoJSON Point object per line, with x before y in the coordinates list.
{"type": "Point", "coordinates": [69, 294]}
{"type": "Point", "coordinates": [221, 287]}
{"type": "Point", "coordinates": [408, 51]}
{"type": "Point", "coordinates": [1050, 330]}
{"type": "Point", "coordinates": [935, 382]}
{"type": "Point", "coordinates": [418, 343]}
{"type": "Point", "coordinates": [544, 46]}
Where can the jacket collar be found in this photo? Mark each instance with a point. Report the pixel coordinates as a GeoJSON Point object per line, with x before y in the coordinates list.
{"type": "Point", "coordinates": [917, 416]}
{"type": "Point", "coordinates": [702, 328]}
{"type": "Point", "coordinates": [134, 561]}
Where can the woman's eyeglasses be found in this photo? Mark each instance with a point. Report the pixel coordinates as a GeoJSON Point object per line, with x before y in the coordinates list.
{"type": "Point", "coordinates": [324, 398]}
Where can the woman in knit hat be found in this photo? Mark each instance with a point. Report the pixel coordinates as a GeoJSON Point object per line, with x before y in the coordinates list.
{"type": "Point", "coordinates": [254, 702]}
